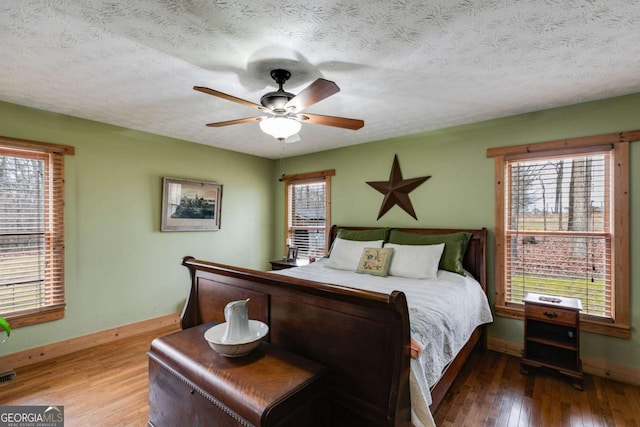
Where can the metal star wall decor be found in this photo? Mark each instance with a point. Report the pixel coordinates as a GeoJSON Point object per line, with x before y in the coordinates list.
{"type": "Point", "coordinates": [396, 190]}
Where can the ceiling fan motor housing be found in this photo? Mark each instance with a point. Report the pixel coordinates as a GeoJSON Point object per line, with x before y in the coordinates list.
{"type": "Point", "coordinates": [277, 99]}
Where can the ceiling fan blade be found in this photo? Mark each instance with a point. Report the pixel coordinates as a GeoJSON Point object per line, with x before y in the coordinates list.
{"type": "Point", "coordinates": [314, 93]}
{"type": "Point", "coordinates": [229, 97]}
{"type": "Point", "coordinates": [339, 122]}
{"type": "Point", "coordinates": [234, 122]}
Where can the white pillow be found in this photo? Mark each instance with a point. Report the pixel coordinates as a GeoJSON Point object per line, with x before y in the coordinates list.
{"type": "Point", "coordinates": [415, 261]}
{"type": "Point", "coordinates": [345, 254]}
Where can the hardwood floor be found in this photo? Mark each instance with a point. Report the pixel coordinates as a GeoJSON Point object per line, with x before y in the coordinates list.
{"type": "Point", "coordinates": [491, 391]}
{"type": "Point", "coordinates": [102, 386]}
{"type": "Point", "coordinates": [107, 386]}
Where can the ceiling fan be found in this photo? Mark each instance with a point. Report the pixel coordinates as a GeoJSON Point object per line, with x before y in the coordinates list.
{"type": "Point", "coordinates": [283, 109]}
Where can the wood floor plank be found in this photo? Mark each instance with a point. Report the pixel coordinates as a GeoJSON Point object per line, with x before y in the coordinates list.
{"type": "Point", "coordinates": [492, 399]}
{"type": "Point", "coordinates": [542, 398]}
{"type": "Point", "coordinates": [633, 400]}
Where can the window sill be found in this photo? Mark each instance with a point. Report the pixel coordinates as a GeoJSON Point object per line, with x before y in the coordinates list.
{"type": "Point", "coordinates": [603, 328]}
{"type": "Point", "coordinates": [34, 317]}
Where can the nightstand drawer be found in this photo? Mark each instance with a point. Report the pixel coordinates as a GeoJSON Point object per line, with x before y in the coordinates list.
{"type": "Point", "coordinates": [552, 314]}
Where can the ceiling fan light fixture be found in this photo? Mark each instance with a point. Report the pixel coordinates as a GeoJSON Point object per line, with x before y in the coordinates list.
{"type": "Point", "coordinates": [280, 127]}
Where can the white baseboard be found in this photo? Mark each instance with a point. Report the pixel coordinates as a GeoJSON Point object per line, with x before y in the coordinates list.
{"type": "Point", "coordinates": [600, 368]}
{"type": "Point", "coordinates": [61, 348]}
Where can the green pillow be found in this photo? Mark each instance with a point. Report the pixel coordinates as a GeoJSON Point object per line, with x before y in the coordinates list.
{"type": "Point", "coordinates": [455, 246]}
{"type": "Point", "coordinates": [364, 235]}
{"type": "Point", "coordinates": [375, 261]}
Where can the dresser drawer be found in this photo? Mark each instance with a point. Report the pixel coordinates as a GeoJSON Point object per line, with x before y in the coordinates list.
{"type": "Point", "coordinates": [551, 314]}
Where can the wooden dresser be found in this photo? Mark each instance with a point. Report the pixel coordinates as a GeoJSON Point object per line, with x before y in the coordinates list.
{"type": "Point", "coordinates": [191, 384]}
{"type": "Point", "coordinates": [552, 335]}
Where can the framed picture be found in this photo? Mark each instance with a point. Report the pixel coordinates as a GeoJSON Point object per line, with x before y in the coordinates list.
{"type": "Point", "coordinates": [292, 254]}
{"type": "Point", "coordinates": [189, 205]}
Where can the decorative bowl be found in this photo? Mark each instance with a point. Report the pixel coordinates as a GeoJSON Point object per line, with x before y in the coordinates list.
{"type": "Point", "coordinates": [257, 331]}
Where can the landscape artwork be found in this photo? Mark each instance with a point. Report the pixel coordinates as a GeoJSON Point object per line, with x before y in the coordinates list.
{"type": "Point", "coordinates": [189, 205]}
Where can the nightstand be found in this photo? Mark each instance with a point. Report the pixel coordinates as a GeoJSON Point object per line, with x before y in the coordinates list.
{"type": "Point", "coordinates": [552, 335]}
{"type": "Point", "coordinates": [281, 264]}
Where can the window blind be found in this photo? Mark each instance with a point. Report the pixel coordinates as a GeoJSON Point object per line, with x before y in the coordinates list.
{"type": "Point", "coordinates": [307, 218]}
{"type": "Point", "coordinates": [31, 232]}
{"type": "Point", "coordinates": [558, 229]}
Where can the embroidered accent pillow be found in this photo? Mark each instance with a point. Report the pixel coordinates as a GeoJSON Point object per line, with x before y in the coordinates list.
{"type": "Point", "coordinates": [375, 261]}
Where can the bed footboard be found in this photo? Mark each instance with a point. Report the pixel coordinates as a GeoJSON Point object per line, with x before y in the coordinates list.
{"type": "Point", "coordinates": [362, 337]}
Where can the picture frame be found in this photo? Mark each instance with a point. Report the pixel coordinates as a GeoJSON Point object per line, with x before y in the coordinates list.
{"type": "Point", "coordinates": [292, 253]}
{"type": "Point", "coordinates": [190, 205]}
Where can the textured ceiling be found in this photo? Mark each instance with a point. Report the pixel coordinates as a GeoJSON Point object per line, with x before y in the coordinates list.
{"type": "Point", "coordinates": [403, 66]}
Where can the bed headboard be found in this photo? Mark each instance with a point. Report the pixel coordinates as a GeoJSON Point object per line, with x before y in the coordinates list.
{"type": "Point", "coordinates": [474, 258]}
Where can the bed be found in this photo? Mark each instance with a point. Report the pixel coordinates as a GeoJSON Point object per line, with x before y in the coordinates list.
{"type": "Point", "coordinates": [364, 336]}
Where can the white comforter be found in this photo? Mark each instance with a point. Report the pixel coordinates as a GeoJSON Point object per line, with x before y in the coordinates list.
{"type": "Point", "coordinates": [443, 314]}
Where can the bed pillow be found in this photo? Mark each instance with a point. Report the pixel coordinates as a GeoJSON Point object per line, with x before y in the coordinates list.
{"type": "Point", "coordinates": [455, 246]}
{"type": "Point", "coordinates": [345, 254]}
{"type": "Point", "coordinates": [415, 261]}
{"type": "Point", "coordinates": [375, 261]}
{"type": "Point", "coordinates": [363, 235]}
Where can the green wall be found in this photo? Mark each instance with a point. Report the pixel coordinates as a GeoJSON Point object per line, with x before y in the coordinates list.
{"type": "Point", "coordinates": [460, 192]}
{"type": "Point", "coordinates": [120, 268]}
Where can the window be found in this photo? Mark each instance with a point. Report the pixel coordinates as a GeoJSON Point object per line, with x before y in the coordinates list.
{"type": "Point", "coordinates": [31, 231]}
{"type": "Point", "coordinates": [308, 214]}
{"type": "Point", "coordinates": [562, 227]}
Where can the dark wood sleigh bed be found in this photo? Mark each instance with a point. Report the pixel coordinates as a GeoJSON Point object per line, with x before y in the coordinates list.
{"type": "Point", "coordinates": [362, 337]}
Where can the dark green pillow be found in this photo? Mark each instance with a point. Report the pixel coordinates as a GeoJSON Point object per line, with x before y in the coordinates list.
{"type": "Point", "coordinates": [455, 246]}
{"type": "Point", "coordinates": [364, 235]}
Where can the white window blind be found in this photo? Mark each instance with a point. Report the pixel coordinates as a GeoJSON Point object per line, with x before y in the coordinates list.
{"type": "Point", "coordinates": [307, 218]}
{"type": "Point", "coordinates": [31, 232]}
{"type": "Point", "coordinates": [558, 229]}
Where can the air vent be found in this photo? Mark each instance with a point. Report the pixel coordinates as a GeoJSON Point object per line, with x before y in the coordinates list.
{"type": "Point", "coordinates": [7, 376]}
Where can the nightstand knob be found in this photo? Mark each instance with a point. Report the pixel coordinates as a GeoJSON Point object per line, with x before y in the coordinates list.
{"type": "Point", "coordinates": [551, 315]}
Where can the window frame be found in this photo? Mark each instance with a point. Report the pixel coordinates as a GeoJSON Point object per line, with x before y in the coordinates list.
{"type": "Point", "coordinates": [308, 178]}
{"type": "Point", "coordinates": [53, 155]}
{"type": "Point", "coordinates": [618, 144]}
